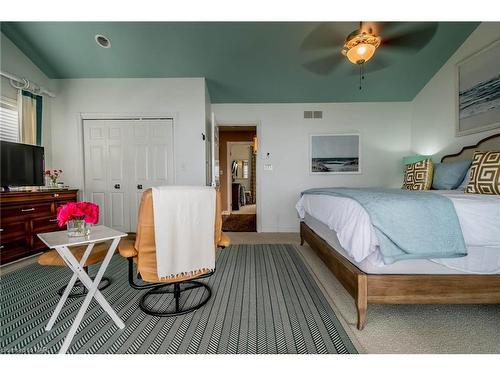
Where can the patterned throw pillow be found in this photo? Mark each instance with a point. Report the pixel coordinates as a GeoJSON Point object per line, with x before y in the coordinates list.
{"type": "Point", "coordinates": [418, 176]}
{"type": "Point", "coordinates": [484, 173]}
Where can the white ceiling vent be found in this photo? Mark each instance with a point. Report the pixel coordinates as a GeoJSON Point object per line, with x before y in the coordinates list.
{"type": "Point", "coordinates": [103, 41]}
{"type": "Point", "coordinates": [313, 114]}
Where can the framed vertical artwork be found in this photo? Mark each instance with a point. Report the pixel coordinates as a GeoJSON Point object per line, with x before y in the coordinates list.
{"type": "Point", "coordinates": [478, 91]}
{"type": "Point", "coordinates": [334, 154]}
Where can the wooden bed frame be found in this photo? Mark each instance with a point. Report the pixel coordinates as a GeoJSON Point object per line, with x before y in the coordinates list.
{"type": "Point", "coordinates": [408, 288]}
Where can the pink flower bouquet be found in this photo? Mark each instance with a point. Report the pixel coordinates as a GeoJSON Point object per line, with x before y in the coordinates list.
{"type": "Point", "coordinates": [86, 211]}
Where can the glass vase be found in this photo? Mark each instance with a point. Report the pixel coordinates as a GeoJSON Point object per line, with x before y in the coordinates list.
{"type": "Point", "coordinates": [78, 228]}
{"type": "Point", "coordinates": [51, 183]}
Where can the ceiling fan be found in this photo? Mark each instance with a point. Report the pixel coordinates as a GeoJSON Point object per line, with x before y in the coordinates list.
{"type": "Point", "coordinates": [360, 46]}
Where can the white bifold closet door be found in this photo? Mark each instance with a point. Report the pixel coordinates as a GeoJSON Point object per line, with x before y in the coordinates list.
{"type": "Point", "coordinates": [122, 159]}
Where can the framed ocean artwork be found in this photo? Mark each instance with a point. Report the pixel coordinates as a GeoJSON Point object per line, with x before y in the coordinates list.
{"type": "Point", "coordinates": [478, 96]}
{"type": "Point", "coordinates": [334, 154]}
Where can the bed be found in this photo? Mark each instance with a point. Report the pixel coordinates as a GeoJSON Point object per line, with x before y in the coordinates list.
{"type": "Point", "coordinates": [474, 279]}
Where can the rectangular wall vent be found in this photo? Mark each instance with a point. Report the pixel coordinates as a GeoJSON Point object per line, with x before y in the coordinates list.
{"type": "Point", "coordinates": [313, 114]}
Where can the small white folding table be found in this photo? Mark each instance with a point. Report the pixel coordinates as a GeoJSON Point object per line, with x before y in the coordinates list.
{"type": "Point", "coordinates": [61, 242]}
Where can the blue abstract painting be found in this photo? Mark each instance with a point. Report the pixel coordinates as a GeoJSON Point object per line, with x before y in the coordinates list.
{"type": "Point", "coordinates": [483, 97]}
{"type": "Point", "coordinates": [479, 91]}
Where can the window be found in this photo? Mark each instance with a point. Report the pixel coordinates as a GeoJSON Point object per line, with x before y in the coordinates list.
{"type": "Point", "coordinates": [9, 120]}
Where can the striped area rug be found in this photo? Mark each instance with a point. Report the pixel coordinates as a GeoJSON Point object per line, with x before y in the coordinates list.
{"type": "Point", "coordinates": [264, 301]}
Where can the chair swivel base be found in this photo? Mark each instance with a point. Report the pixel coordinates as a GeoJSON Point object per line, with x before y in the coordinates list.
{"type": "Point", "coordinates": [177, 290]}
{"type": "Point", "coordinates": [105, 282]}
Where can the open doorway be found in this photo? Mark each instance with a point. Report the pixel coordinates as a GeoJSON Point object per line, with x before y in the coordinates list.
{"type": "Point", "coordinates": [237, 165]}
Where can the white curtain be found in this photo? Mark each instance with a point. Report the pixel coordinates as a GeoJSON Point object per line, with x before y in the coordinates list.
{"type": "Point", "coordinates": [27, 119]}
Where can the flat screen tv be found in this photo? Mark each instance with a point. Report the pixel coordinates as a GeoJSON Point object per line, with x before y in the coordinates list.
{"type": "Point", "coordinates": [22, 165]}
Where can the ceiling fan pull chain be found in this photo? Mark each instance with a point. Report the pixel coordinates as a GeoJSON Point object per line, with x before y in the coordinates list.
{"type": "Point", "coordinates": [360, 74]}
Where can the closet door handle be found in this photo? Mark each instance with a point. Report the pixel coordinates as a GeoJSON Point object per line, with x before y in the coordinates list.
{"type": "Point", "coordinates": [117, 186]}
{"type": "Point", "coordinates": [139, 187]}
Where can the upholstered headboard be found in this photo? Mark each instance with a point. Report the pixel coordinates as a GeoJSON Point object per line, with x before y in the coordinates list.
{"type": "Point", "coordinates": [491, 143]}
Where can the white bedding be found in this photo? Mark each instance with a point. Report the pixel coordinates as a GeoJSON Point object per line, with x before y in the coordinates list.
{"type": "Point", "coordinates": [479, 217]}
{"type": "Point", "coordinates": [410, 266]}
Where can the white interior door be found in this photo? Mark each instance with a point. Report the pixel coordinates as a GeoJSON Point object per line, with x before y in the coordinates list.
{"type": "Point", "coordinates": [118, 187]}
{"type": "Point", "coordinates": [96, 169]}
{"type": "Point", "coordinates": [122, 158]}
{"type": "Point", "coordinates": [105, 179]}
{"type": "Point", "coordinates": [152, 160]}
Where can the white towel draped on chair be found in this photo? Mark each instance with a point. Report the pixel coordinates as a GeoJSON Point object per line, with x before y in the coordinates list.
{"type": "Point", "coordinates": [184, 218]}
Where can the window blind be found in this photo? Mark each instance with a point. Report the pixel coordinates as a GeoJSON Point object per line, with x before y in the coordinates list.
{"type": "Point", "coordinates": [9, 120]}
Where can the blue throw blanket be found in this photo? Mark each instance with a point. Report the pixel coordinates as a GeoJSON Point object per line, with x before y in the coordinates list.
{"type": "Point", "coordinates": [409, 224]}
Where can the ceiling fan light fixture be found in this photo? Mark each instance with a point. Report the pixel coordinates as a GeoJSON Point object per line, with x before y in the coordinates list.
{"type": "Point", "coordinates": [361, 53]}
{"type": "Point", "coordinates": [360, 47]}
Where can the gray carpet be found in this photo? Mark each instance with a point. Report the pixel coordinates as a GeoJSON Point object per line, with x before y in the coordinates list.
{"type": "Point", "coordinates": [264, 301]}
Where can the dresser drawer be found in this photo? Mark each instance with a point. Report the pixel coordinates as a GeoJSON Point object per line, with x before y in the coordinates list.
{"type": "Point", "coordinates": [22, 212]}
{"type": "Point", "coordinates": [10, 232]}
{"type": "Point", "coordinates": [13, 251]}
{"type": "Point", "coordinates": [45, 224]}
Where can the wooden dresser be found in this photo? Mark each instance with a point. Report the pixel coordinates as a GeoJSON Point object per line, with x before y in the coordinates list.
{"type": "Point", "coordinates": [23, 215]}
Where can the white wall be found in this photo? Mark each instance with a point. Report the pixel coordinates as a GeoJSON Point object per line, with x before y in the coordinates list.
{"type": "Point", "coordinates": [13, 61]}
{"type": "Point", "coordinates": [184, 98]}
{"type": "Point", "coordinates": [433, 109]}
{"type": "Point", "coordinates": [282, 132]}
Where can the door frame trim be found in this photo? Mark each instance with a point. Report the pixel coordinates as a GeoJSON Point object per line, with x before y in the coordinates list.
{"type": "Point", "coordinates": [127, 115]}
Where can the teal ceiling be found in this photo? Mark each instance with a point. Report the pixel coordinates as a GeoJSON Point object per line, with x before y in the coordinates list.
{"type": "Point", "coordinates": [255, 62]}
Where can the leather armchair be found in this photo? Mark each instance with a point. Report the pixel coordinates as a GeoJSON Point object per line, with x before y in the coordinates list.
{"type": "Point", "coordinates": [143, 249]}
{"type": "Point", "coordinates": [142, 253]}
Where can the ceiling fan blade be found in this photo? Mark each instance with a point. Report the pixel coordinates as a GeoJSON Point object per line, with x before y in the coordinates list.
{"type": "Point", "coordinates": [413, 40]}
{"type": "Point", "coordinates": [324, 65]}
{"type": "Point", "coordinates": [379, 28]}
{"type": "Point", "coordinates": [321, 37]}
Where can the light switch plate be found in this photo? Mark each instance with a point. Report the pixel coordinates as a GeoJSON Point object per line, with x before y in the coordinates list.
{"type": "Point", "coordinates": [268, 167]}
